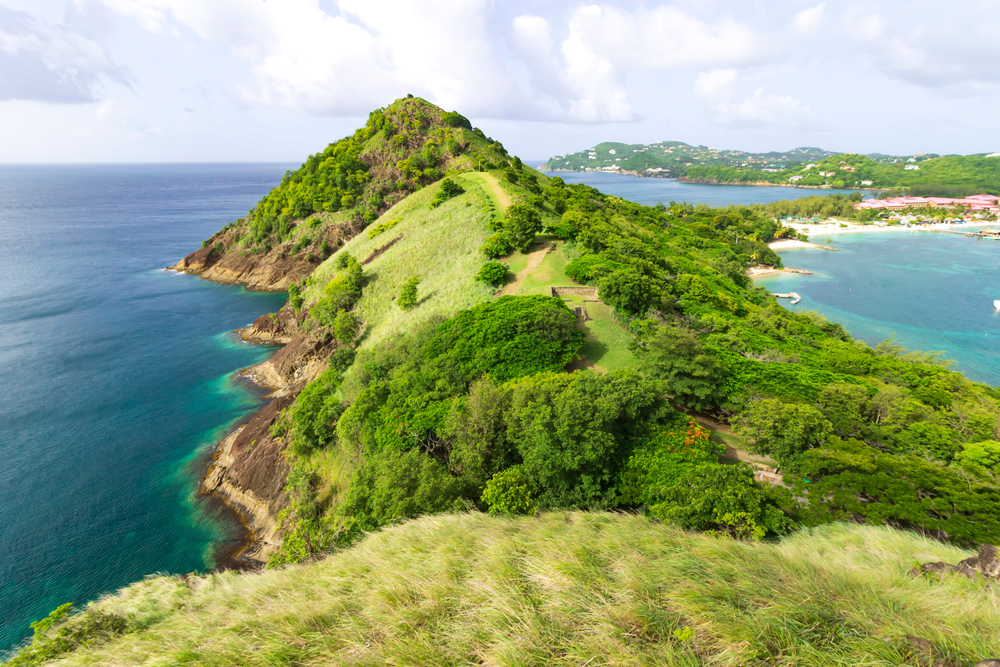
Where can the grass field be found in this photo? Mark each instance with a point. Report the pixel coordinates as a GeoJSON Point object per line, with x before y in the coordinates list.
{"type": "Point", "coordinates": [440, 246]}
{"type": "Point", "coordinates": [607, 342]}
{"type": "Point", "coordinates": [569, 588]}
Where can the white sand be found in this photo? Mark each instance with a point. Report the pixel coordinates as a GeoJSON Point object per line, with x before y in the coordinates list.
{"type": "Point", "coordinates": [833, 226]}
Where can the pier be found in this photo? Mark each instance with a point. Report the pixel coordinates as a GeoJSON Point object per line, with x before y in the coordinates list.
{"type": "Point", "coordinates": [789, 295]}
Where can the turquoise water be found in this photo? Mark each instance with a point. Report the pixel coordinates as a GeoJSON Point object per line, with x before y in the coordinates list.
{"type": "Point", "coordinates": [650, 191]}
{"type": "Point", "coordinates": [933, 291]}
{"type": "Point", "coordinates": [118, 376]}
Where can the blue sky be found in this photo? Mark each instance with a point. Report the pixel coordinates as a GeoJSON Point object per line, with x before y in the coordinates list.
{"type": "Point", "coordinates": [247, 80]}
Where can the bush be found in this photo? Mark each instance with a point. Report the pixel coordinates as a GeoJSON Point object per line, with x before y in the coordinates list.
{"type": "Point", "coordinates": [521, 225]}
{"type": "Point", "coordinates": [493, 273]}
{"type": "Point", "coordinates": [392, 485]}
{"type": "Point", "coordinates": [449, 189]}
{"type": "Point", "coordinates": [783, 430]}
{"type": "Point", "coordinates": [694, 376]}
{"type": "Point", "coordinates": [455, 119]}
{"type": "Point", "coordinates": [295, 298]}
{"type": "Point", "coordinates": [496, 246]}
{"type": "Point", "coordinates": [408, 295]}
{"type": "Point", "coordinates": [508, 493]}
{"type": "Point", "coordinates": [341, 293]}
{"type": "Point", "coordinates": [628, 291]}
{"type": "Point", "coordinates": [346, 327]}
{"type": "Point", "coordinates": [722, 498]}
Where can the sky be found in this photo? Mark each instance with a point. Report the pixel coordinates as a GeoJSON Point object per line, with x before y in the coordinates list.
{"type": "Point", "coordinates": [277, 80]}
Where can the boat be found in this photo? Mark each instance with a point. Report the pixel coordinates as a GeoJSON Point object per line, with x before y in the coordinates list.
{"type": "Point", "coordinates": [996, 304]}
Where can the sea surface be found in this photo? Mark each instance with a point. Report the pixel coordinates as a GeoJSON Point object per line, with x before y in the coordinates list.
{"type": "Point", "coordinates": [118, 376]}
{"type": "Point", "coordinates": [651, 191]}
{"type": "Point", "coordinates": [933, 291]}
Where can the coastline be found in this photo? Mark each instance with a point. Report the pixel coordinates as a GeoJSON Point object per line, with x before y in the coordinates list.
{"type": "Point", "coordinates": [834, 226]}
{"type": "Point", "coordinates": [682, 179]}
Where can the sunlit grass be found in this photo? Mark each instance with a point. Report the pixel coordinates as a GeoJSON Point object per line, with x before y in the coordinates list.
{"type": "Point", "coordinates": [569, 589]}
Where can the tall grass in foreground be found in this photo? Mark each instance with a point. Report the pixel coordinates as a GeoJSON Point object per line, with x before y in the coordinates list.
{"type": "Point", "coordinates": [569, 588]}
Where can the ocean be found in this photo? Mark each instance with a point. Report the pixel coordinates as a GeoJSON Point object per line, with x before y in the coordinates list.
{"type": "Point", "coordinates": [650, 191]}
{"type": "Point", "coordinates": [119, 376]}
{"type": "Point", "coordinates": [933, 291]}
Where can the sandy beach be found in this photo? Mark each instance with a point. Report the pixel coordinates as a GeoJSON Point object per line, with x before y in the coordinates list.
{"type": "Point", "coordinates": [834, 226]}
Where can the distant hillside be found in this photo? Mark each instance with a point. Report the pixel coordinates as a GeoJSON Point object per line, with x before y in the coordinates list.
{"type": "Point", "coordinates": [925, 174]}
{"type": "Point", "coordinates": [672, 159]}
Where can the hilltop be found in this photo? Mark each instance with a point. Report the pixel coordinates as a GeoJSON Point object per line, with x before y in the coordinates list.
{"type": "Point", "coordinates": [565, 588]}
{"type": "Point", "coordinates": [925, 173]}
{"type": "Point", "coordinates": [483, 338]}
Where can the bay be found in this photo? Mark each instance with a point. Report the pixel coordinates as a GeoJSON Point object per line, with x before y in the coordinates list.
{"type": "Point", "coordinates": [932, 291]}
{"type": "Point", "coordinates": [650, 191]}
{"type": "Point", "coordinates": [119, 376]}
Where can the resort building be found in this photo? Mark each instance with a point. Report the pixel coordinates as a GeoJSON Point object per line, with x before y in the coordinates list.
{"type": "Point", "coordinates": [973, 203]}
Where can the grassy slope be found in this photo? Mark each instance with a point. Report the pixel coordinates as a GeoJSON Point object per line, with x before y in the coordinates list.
{"type": "Point", "coordinates": [440, 246]}
{"type": "Point", "coordinates": [568, 588]}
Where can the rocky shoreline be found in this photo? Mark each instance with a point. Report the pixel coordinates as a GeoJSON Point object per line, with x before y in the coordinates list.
{"type": "Point", "coordinates": [248, 470]}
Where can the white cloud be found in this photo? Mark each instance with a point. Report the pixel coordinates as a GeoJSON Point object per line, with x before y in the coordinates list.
{"type": "Point", "coordinates": [809, 20]}
{"type": "Point", "coordinates": [51, 63]}
{"type": "Point", "coordinates": [664, 37]}
{"type": "Point", "coordinates": [346, 64]}
{"type": "Point", "coordinates": [762, 110]}
{"type": "Point", "coordinates": [715, 85]}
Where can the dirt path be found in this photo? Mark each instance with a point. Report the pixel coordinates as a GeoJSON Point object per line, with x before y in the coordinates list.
{"type": "Point", "coordinates": [494, 184]}
{"type": "Point", "coordinates": [534, 259]}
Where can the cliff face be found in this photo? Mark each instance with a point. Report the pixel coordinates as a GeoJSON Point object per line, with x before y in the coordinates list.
{"type": "Point", "coordinates": [271, 272]}
{"type": "Point", "coordinates": [250, 471]}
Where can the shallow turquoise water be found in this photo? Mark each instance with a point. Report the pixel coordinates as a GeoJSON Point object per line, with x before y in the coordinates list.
{"type": "Point", "coordinates": [934, 291]}
{"type": "Point", "coordinates": [118, 376]}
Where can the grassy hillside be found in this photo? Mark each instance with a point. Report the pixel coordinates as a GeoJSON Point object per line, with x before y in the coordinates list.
{"type": "Point", "coordinates": [565, 588]}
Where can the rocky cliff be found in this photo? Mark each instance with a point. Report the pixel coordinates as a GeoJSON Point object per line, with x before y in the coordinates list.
{"type": "Point", "coordinates": [249, 470]}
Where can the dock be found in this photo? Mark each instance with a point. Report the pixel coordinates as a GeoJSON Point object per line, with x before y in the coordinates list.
{"type": "Point", "coordinates": [789, 295]}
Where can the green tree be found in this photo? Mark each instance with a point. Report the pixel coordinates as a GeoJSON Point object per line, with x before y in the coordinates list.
{"type": "Point", "coordinates": [722, 498]}
{"type": "Point", "coordinates": [497, 245]}
{"type": "Point", "coordinates": [783, 430]}
{"type": "Point", "coordinates": [508, 493]}
{"type": "Point", "coordinates": [521, 225]}
{"type": "Point", "coordinates": [346, 327]}
{"type": "Point", "coordinates": [692, 374]}
{"type": "Point", "coordinates": [493, 273]}
{"type": "Point", "coordinates": [408, 295]}
{"type": "Point", "coordinates": [628, 291]}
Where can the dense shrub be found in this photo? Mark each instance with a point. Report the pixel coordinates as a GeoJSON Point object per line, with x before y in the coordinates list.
{"type": "Point", "coordinates": [498, 245]}
{"type": "Point", "coordinates": [493, 274]}
{"type": "Point", "coordinates": [508, 493]}
{"type": "Point", "coordinates": [722, 498]}
{"type": "Point", "coordinates": [341, 293]}
{"type": "Point", "coordinates": [521, 225]}
{"type": "Point", "coordinates": [346, 327]}
{"type": "Point", "coordinates": [448, 189]}
{"type": "Point", "coordinates": [393, 485]}
{"type": "Point", "coordinates": [408, 294]}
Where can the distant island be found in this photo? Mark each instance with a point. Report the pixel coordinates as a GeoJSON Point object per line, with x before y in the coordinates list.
{"type": "Point", "coordinates": [921, 174]}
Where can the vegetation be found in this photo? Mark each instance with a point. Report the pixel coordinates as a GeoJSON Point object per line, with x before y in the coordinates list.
{"type": "Point", "coordinates": [566, 588]}
{"type": "Point", "coordinates": [493, 273]}
{"type": "Point", "coordinates": [950, 175]}
{"type": "Point", "coordinates": [916, 175]}
{"type": "Point", "coordinates": [408, 295]}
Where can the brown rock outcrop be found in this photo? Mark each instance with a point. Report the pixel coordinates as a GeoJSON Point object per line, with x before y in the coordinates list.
{"type": "Point", "coordinates": [273, 272]}
{"type": "Point", "coordinates": [249, 474]}
{"type": "Point", "coordinates": [984, 565]}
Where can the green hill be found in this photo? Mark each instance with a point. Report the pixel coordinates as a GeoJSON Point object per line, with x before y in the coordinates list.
{"type": "Point", "coordinates": [562, 589]}
{"type": "Point", "coordinates": [924, 174]}
{"type": "Point", "coordinates": [492, 339]}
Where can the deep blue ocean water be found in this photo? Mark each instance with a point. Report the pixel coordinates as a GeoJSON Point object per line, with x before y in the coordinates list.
{"type": "Point", "coordinates": [650, 191]}
{"type": "Point", "coordinates": [117, 376]}
{"type": "Point", "coordinates": [934, 291]}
